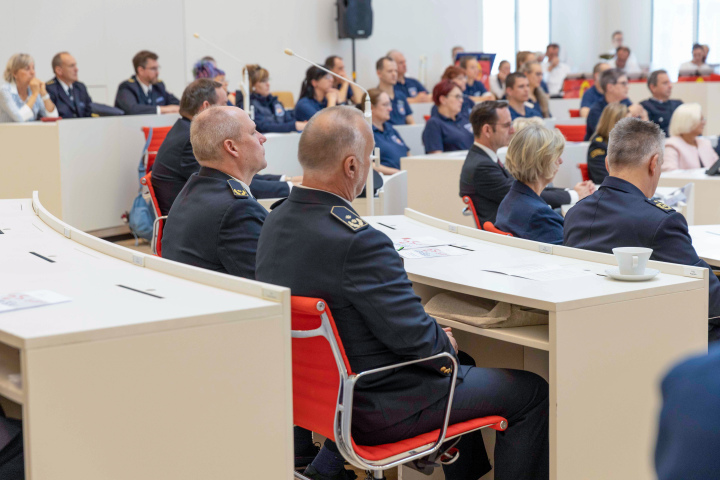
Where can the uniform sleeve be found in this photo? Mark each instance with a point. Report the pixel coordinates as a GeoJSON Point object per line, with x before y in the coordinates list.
{"type": "Point", "coordinates": [432, 137]}
{"type": "Point", "coordinates": [420, 87]}
{"type": "Point", "coordinates": [385, 299]}
{"type": "Point", "coordinates": [670, 158]}
{"type": "Point", "coordinates": [238, 237]}
{"type": "Point", "coordinates": [262, 188]}
{"type": "Point", "coordinates": [267, 124]}
{"type": "Point", "coordinates": [127, 102]}
{"type": "Point", "coordinates": [586, 100]}
{"type": "Point", "coordinates": [303, 110]}
{"type": "Point", "coordinates": [7, 105]}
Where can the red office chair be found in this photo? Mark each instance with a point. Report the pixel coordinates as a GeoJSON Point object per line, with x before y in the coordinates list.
{"type": "Point", "coordinates": [470, 210]}
{"type": "Point", "coordinates": [489, 227]}
{"type": "Point", "coordinates": [157, 136]}
{"type": "Point", "coordinates": [323, 388]}
{"type": "Point", "coordinates": [584, 171]}
{"type": "Point", "coordinates": [156, 243]}
{"type": "Point", "coordinates": [572, 133]}
{"type": "Point", "coordinates": [574, 113]}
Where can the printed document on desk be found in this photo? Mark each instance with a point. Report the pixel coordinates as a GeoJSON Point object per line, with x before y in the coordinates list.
{"type": "Point", "coordinates": [539, 272]}
{"type": "Point", "coordinates": [32, 299]}
{"type": "Point", "coordinates": [431, 252]}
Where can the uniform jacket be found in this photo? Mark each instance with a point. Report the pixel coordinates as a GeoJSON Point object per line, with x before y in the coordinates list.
{"type": "Point", "coordinates": [524, 214]}
{"type": "Point", "coordinates": [661, 112]}
{"type": "Point", "coordinates": [271, 116]}
{"type": "Point", "coordinates": [78, 107]}
{"type": "Point", "coordinates": [132, 100]}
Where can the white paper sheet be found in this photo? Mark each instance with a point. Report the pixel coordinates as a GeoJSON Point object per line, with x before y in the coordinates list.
{"type": "Point", "coordinates": [32, 299]}
{"type": "Point", "coordinates": [539, 272]}
{"type": "Point", "coordinates": [407, 243]}
{"type": "Point", "coordinates": [432, 252]}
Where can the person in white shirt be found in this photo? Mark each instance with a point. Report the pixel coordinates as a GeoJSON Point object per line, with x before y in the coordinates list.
{"type": "Point", "coordinates": [622, 61]}
{"type": "Point", "coordinates": [554, 71]}
{"type": "Point", "coordinates": [24, 97]}
{"type": "Point", "coordinates": [631, 64]}
{"type": "Point", "coordinates": [697, 65]}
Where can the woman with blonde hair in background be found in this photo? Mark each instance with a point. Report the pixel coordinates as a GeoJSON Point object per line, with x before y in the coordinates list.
{"type": "Point", "coordinates": [24, 97]}
{"type": "Point", "coordinates": [540, 100]}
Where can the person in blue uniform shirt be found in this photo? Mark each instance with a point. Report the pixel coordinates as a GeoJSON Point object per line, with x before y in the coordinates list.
{"type": "Point", "coordinates": [408, 86]}
{"type": "Point", "coordinates": [660, 106]}
{"type": "Point", "coordinates": [597, 150]}
{"type": "Point", "coordinates": [144, 93]}
{"type": "Point", "coordinates": [689, 430]}
{"type": "Point", "coordinates": [475, 89]}
{"type": "Point", "coordinates": [614, 83]}
{"type": "Point", "coordinates": [387, 73]}
{"type": "Point", "coordinates": [593, 94]}
{"type": "Point", "coordinates": [457, 76]}
{"type": "Point", "coordinates": [270, 114]}
{"type": "Point", "coordinates": [317, 92]}
{"type": "Point", "coordinates": [621, 214]}
{"type": "Point", "coordinates": [387, 139]}
{"type": "Point", "coordinates": [346, 94]}
{"type": "Point", "coordinates": [533, 158]}
{"type": "Point", "coordinates": [69, 96]}
{"type": "Point", "coordinates": [517, 91]}
{"type": "Point", "coordinates": [176, 163]}
{"type": "Point", "coordinates": [215, 221]}
{"type": "Point", "coordinates": [448, 129]}
{"type": "Point", "coordinates": [317, 245]}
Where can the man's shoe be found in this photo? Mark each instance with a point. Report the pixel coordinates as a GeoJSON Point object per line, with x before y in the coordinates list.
{"type": "Point", "coordinates": [303, 459]}
{"type": "Point", "coordinates": [310, 472]}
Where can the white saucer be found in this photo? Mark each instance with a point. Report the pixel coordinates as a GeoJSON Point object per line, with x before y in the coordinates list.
{"type": "Point", "coordinates": [615, 273]}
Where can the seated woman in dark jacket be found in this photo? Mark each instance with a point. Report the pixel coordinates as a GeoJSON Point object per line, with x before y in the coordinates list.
{"type": "Point", "coordinates": [270, 114]}
{"type": "Point", "coordinates": [533, 158]}
{"type": "Point", "coordinates": [597, 151]}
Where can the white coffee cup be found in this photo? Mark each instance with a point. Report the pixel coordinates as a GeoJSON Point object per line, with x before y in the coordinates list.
{"type": "Point", "coordinates": [632, 260]}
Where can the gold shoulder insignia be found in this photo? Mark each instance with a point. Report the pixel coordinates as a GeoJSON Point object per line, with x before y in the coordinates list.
{"type": "Point", "coordinates": [50, 82]}
{"type": "Point", "coordinates": [131, 80]}
{"type": "Point", "coordinates": [237, 189]}
{"type": "Point", "coordinates": [662, 206]}
{"type": "Point", "coordinates": [598, 139]}
{"type": "Point", "coordinates": [349, 218]}
{"type": "Point", "coordinates": [597, 152]}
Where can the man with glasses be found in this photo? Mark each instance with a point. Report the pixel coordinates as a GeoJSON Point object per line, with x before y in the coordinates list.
{"type": "Point", "coordinates": [614, 83]}
{"type": "Point", "coordinates": [144, 93]}
{"type": "Point", "coordinates": [485, 179]}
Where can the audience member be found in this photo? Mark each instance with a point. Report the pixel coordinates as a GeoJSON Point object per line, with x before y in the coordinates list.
{"type": "Point", "coordinates": [533, 158]}
{"type": "Point", "coordinates": [215, 221]}
{"type": "Point", "coordinates": [621, 214]}
{"type": "Point", "coordinates": [455, 51]}
{"type": "Point", "coordinates": [614, 83]}
{"type": "Point", "coordinates": [317, 92]}
{"type": "Point", "coordinates": [497, 81]}
{"type": "Point", "coordinates": [597, 150]}
{"type": "Point", "coordinates": [536, 96]}
{"type": "Point", "coordinates": [686, 148]}
{"type": "Point", "coordinates": [457, 76]}
{"type": "Point", "coordinates": [387, 139]}
{"type": "Point", "coordinates": [144, 93]}
{"type": "Point", "coordinates": [315, 244]}
{"type": "Point", "coordinates": [524, 56]}
{"type": "Point", "coordinates": [554, 70]}
{"type": "Point", "coordinates": [475, 88]}
{"type": "Point", "coordinates": [346, 94]}
{"type": "Point", "coordinates": [387, 73]}
{"type": "Point", "coordinates": [207, 68]}
{"type": "Point", "coordinates": [660, 107]}
{"type": "Point", "coordinates": [697, 65]}
{"type": "Point", "coordinates": [270, 115]}
{"type": "Point", "coordinates": [485, 179]}
{"type": "Point", "coordinates": [595, 93]}
{"type": "Point", "coordinates": [618, 41]}
{"type": "Point", "coordinates": [410, 87]}
{"type": "Point", "coordinates": [69, 96]}
{"type": "Point", "coordinates": [448, 129]}
{"type": "Point", "coordinates": [176, 163]}
{"type": "Point", "coordinates": [517, 91]}
{"type": "Point", "coordinates": [622, 61]}
{"type": "Point", "coordinates": [19, 100]}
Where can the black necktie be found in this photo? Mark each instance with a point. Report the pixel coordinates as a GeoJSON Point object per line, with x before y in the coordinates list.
{"type": "Point", "coordinates": [70, 93]}
{"type": "Point", "coordinates": [149, 96]}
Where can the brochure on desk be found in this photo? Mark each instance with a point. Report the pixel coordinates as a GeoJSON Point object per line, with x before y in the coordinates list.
{"type": "Point", "coordinates": [32, 299]}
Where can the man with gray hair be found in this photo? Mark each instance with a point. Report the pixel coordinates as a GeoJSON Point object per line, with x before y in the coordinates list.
{"type": "Point", "coordinates": [621, 213]}
{"type": "Point", "coordinates": [215, 221]}
{"type": "Point", "coordinates": [316, 244]}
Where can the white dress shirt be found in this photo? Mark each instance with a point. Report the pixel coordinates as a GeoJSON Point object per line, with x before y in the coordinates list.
{"type": "Point", "coordinates": [556, 77]}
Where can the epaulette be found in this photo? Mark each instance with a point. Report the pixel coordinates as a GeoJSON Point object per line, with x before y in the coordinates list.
{"type": "Point", "coordinates": [131, 80]}
{"type": "Point", "coordinates": [661, 206]}
{"type": "Point", "coordinates": [597, 152]}
{"type": "Point", "coordinates": [50, 82]}
{"type": "Point", "coordinates": [237, 189]}
{"type": "Point", "coordinates": [277, 204]}
{"type": "Point", "coordinates": [349, 218]}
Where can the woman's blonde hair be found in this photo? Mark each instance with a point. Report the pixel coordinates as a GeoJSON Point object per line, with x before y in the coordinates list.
{"type": "Point", "coordinates": [16, 62]}
{"type": "Point", "coordinates": [542, 97]}
{"type": "Point", "coordinates": [522, 122]}
{"type": "Point", "coordinates": [685, 118]}
{"type": "Point", "coordinates": [533, 151]}
{"type": "Point", "coordinates": [612, 113]}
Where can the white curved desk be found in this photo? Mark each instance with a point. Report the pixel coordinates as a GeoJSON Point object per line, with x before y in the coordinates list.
{"type": "Point", "coordinates": [153, 369]}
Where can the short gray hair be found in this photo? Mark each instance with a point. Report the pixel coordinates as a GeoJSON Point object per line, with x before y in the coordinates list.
{"type": "Point", "coordinates": [610, 77]}
{"type": "Point", "coordinates": [330, 136]}
{"type": "Point", "coordinates": [208, 131]}
{"type": "Point", "coordinates": [633, 141]}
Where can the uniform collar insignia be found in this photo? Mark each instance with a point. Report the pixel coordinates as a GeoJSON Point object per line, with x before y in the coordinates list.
{"type": "Point", "coordinates": [349, 218]}
{"type": "Point", "coordinates": [237, 189]}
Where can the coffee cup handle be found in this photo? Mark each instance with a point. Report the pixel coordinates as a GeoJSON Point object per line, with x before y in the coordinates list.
{"type": "Point", "coordinates": [635, 261]}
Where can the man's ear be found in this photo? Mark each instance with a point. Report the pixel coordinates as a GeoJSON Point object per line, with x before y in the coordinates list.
{"type": "Point", "coordinates": [351, 166]}
{"type": "Point", "coordinates": [230, 147]}
{"type": "Point", "coordinates": [654, 164]}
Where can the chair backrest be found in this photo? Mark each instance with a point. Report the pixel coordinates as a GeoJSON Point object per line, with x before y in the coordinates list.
{"type": "Point", "coordinates": [286, 98]}
{"type": "Point", "coordinates": [147, 181]}
{"type": "Point", "coordinates": [574, 112]}
{"type": "Point", "coordinates": [158, 136]}
{"type": "Point", "coordinates": [319, 366]}
{"type": "Point", "coordinates": [468, 201]}
{"type": "Point", "coordinates": [488, 226]}
{"type": "Point", "coordinates": [572, 133]}
{"type": "Point", "coordinates": [584, 171]}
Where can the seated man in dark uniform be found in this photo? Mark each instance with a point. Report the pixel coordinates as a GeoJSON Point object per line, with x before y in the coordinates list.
{"type": "Point", "coordinates": [175, 161]}
{"type": "Point", "coordinates": [215, 221]}
{"type": "Point", "coordinates": [144, 93]}
{"type": "Point", "coordinates": [621, 214]}
{"type": "Point", "coordinates": [69, 96]}
{"type": "Point", "coordinates": [317, 245]}
{"type": "Point", "coordinates": [485, 179]}
{"type": "Point", "coordinates": [660, 107]}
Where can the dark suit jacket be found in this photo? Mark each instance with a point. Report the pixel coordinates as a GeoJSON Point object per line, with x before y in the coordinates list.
{"type": "Point", "coordinates": [487, 183]}
{"type": "Point", "coordinates": [307, 245]}
{"type": "Point", "coordinates": [175, 163]}
{"type": "Point", "coordinates": [524, 214]}
{"type": "Point", "coordinates": [76, 108]}
{"type": "Point", "coordinates": [132, 100]}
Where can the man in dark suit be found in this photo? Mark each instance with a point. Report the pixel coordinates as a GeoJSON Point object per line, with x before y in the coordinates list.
{"type": "Point", "coordinates": [12, 463]}
{"type": "Point", "coordinates": [485, 179]}
{"type": "Point", "coordinates": [621, 214]}
{"type": "Point", "coordinates": [69, 96]}
{"type": "Point", "coordinates": [175, 161]}
{"type": "Point", "coordinates": [317, 245]}
{"type": "Point", "coordinates": [215, 222]}
{"type": "Point", "coordinates": [144, 93]}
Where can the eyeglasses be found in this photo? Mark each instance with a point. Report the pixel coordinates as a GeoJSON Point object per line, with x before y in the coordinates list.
{"type": "Point", "coordinates": [504, 125]}
{"type": "Point", "coordinates": [624, 84]}
{"type": "Point", "coordinates": [459, 96]}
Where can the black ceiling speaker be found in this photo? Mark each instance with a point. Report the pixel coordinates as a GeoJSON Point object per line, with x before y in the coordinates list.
{"type": "Point", "coordinates": [355, 18]}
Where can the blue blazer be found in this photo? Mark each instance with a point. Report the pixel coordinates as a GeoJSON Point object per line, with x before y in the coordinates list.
{"type": "Point", "coordinates": [76, 108]}
{"type": "Point", "coordinates": [526, 215]}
